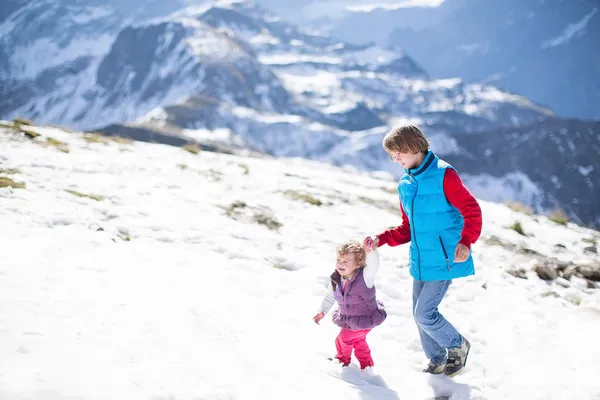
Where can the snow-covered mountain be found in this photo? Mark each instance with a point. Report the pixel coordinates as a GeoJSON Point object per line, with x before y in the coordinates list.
{"type": "Point", "coordinates": [547, 51]}
{"type": "Point", "coordinates": [229, 51]}
{"type": "Point", "coordinates": [142, 271]}
{"type": "Point", "coordinates": [552, 164]}
{"type": "Point", "coordinates": [232, 74]}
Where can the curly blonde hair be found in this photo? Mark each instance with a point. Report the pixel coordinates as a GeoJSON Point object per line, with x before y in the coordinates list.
{"type": "Point", "coordinates": [353, 247]}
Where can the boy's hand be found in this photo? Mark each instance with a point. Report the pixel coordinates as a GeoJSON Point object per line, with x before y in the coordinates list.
{"type": "Point", "coordinates": [462, 253]}
{"type": "Point", "coordinates": [371, 243]}
{"type": "Point", "coordinates": [318, 317]}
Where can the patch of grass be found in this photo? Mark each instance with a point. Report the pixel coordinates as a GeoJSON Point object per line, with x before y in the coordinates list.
{"type": "Point", "coordinates": [182, 166]}
{"type": "Point", "coordinates": [9, 171]}
{"type": "Point", "coordinates": [303, 197]}
{"type": "Point", "coordinates": [213, 174]}
{"type": "Point", "coordinates": [121, 140]}
{"type": "Point", "coordinates": [54, 142]}
{"type": "Point", "coordinates": [290, 175]}
{"type": "Point", "coordinates": [519, 207]}
{"type": "Point", "coordinates": [517, 227]}
{"type": "Point", "coordinates": [86, 195]}
{"type": "Point", "coordinates": [593, 241]}
{"type": "Point", "coordinates": [233, 207]}
{"type": "Point", "coordinates": [267, 221]}
{"type": "Point", "coordinates": [559, 217]}
{"type": "Point", "coordinates": [7, 182]}
{"type": "Point", "coordinates": [240, 211]}
{"type": "Point", "coordinates": [7, 126]}
{"type": "Point", "coordinates": [551, 294]}
{"type": "Point", "coordinates": [62, 128]}
{"type": "Point", "coordinates": [192, 148]}
{"type": "Point", "coordinates": [285, 267]}
{"type": "Point", "coordinates": [58, 144]}
{"type": "Point", "coordinates": [245, 169]}
{"type": "Point", "coordinates": [29, 133]}
{"type": "Point", "coordinates": [124, 236]}
{"type": "Point", "coordinates": [22, 121]}
{"type": "Point", "coordinates": [95, 138]}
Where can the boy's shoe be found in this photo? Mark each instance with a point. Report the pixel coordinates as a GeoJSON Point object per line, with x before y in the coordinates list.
{"type": "Point", "coordinates": [457, 358]}
{"type": "Point", "coordinates": [435, 369]}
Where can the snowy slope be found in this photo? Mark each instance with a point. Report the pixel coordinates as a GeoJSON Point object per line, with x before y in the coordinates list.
{"type": "Point", "coordinates": [196, 277]}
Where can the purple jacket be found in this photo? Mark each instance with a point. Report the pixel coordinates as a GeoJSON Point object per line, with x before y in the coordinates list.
{"type": "Point", "coordinates": [358, 306]}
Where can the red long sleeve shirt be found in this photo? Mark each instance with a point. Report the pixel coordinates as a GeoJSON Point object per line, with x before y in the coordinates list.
{"type": "Point", "coordinates": [459, 196]}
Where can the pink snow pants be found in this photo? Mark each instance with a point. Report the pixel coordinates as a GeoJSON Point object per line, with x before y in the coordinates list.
{"type": "Point", "coordinates": [357, 340]}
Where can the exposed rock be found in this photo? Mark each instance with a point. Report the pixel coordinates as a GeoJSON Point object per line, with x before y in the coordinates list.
{"type": "Point", "coordinates": [569, 272]}
{"type": "Point", "coordinates": [589, 272]}
{"type": "Point", "coordinates": [546, 272]}
{"type": "Point", "coordinates": [518, 273]}
{"type": "Point", "coordinates": [591, 249]}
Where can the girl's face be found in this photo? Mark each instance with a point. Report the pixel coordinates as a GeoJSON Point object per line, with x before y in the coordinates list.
{"type": "Point", "coordinates": [346, 265]}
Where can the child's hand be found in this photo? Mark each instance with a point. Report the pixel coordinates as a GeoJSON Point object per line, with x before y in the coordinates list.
{"type": "Point", "coordinates": [462, 253]}
{"type": "Point", "coordinates": [371, 243]}
{"type": "Point", "coordinates": [318, 317]}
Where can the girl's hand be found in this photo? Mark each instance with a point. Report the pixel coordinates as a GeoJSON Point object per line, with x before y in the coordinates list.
{"type": "Point", "coordinates": [318, 317]}
{"type": "Point", "coordinates": [371, 243]}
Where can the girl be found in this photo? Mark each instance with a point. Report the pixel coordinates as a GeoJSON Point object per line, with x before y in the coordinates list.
{"type": "Point", "coordinates": [352, 286]}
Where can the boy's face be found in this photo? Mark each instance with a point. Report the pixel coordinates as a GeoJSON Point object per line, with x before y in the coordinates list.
{"type": "Point", "coordinates": [346, 264]}
{"type": "Point", "coordinates": [407, 160]}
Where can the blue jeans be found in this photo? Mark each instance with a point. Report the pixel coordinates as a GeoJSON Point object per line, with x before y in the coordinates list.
{"type": "Point", "coordinates": [437, 334]}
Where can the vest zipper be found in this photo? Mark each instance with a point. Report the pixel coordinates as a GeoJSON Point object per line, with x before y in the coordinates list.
{"type": "Point", "coordinates": [412, 223]}
{"type": "Point", "coordinates": [445, 254]}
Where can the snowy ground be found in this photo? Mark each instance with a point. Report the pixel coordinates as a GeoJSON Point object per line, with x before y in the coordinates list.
{"type": "Point", "coordinates": [153, 292]}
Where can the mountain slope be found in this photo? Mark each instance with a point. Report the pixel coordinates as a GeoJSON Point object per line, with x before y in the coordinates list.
{"type": "Point", "coordinates": [196, 276]}
{"type": "Point", "coordinates": [551, 164]}
{"type": "Point", "coordinates": [546, 51]}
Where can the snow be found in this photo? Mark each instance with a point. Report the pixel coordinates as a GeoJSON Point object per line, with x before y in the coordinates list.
{"type": "Point", "coordinates": [224, 135]}
{"type": "Point", "coordinates": [443, 145]}
{"type": "Point", "coordinates": [198, 305]}
{"type": "Point", "coordinates": [368, 7]}
{"type": "Point", "coordinates": [92, 13]}
{"type": "Point", "coordinates": [339, 107]}
{"type": "Point", "coordinates": [208, 45]}
{"type": "Point", "coordinates": [372, 55]}
{"type": "Point", "coordinates": [512, 186]}
{"type": "Point", "coordinates": [320, 82]}
{"type": "Point", "coordinates": [585, 171]}
{"type": "Point", "coordinates": [264, 38]}
{"type": "Point", "coordinates": [245, 112]}
{"type": "Point", "coordinates": [570, 32]}
{"type": "Point", "coordinates": [291, 58]}
{"type": "Point", "coordinates": [29, 61]}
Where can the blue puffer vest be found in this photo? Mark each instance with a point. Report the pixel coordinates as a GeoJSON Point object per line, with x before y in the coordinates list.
{"type": "Point", "coordinates": [435, 224]}
{"type": "Point", "coordinates": [358, 306]}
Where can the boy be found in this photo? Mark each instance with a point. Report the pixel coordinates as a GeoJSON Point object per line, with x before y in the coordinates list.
{"type": "Point", "coordinates": [441, 219]}
{"type": "Point", "coordinates": [352, 285]}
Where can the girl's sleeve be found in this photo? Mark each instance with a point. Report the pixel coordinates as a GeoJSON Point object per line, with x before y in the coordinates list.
{"type": "Point", "coordinates": [328, 300]}
{"type": "Point", "coordinates": [371, 268]}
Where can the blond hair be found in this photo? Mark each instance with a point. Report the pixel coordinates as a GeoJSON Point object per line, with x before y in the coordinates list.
{"type": "Point", "coordinates": [353, 247]}
{"type": "Point", "coordinates": [408, 139]}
